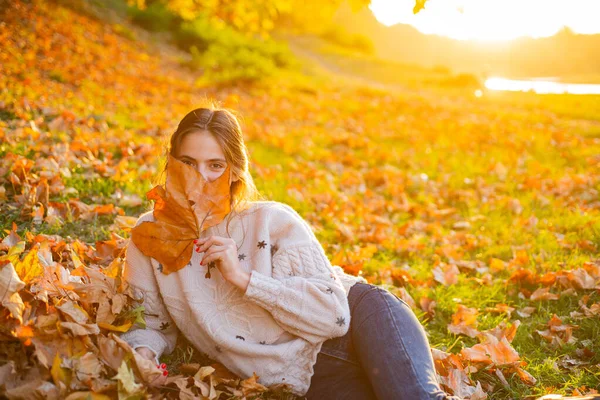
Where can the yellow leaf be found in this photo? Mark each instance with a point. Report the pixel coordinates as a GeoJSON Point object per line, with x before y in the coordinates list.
{"type": "Point", "coordinates": [120, 328]}
{"type": "Point", "coordinates": [87, 396]}
{"type": "Point", "coordinates": [59, 374]}
{"type": "Point", "coordinates": [30, 267]}
{"type": "Point", "coordinates": [126, 379]}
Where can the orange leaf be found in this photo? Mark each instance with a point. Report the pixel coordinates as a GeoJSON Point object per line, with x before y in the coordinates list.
{"type": "Point", "coordinates": [464, 321]}
{"type": "Point", "coordinates": [186, 207]}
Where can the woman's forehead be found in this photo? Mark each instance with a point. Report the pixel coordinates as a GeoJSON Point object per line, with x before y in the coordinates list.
{"type": "Point", "coordinates": [200, 145]}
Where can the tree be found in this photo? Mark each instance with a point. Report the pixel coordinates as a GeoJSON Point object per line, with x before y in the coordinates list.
{"type": "Point", "coordinates": [261, 16]}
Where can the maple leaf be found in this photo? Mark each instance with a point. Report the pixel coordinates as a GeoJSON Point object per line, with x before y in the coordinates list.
{"type": "Point", "coordinates": [250, 386]}
{"type": "Point", "coordinates": [464, 321]}
{"type": "Point", "coordinates": [184, 208]}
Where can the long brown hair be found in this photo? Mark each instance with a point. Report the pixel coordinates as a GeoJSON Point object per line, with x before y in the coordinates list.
{"type": "Point", "coordinates": [223, 124]}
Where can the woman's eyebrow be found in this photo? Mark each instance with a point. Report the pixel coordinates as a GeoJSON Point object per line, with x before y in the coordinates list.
{"type": "Point", "coordinates": [212, 159]}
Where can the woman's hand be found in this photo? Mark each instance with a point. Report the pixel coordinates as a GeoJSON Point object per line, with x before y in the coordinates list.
{"type": "Point", "coordinates": [223, 251]}
{"type": "Point", "coordinates": [146, 353]}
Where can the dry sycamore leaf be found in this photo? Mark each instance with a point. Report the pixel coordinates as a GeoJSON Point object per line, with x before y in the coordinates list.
{"type": "Point", "coordinates": [491, 351]}
{"type": "Point", "coordinates": [126, 378]}
{"type": "Point", "coordinates": [446, 274]}
{"type": "Point", "coordinates": [185, 208]}
{"type": "Point", "coordinates": [464, 321]}
{"type": "Point", "coordinates": [10, 284]}
{"type": "Point", "coordinates": [558, 333]}
{"type": "Point", "coordinates": [251, 387]}
{"type": "Point", "coordinates": [526, 312]}
{"type": "Point", "coordinates": [543, 294]}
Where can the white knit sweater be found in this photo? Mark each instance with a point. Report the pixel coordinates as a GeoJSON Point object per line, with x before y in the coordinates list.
{"type": "Point", "coordinates": [294, 302]}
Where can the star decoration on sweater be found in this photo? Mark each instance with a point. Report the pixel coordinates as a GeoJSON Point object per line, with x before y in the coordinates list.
{"type": "Point", "coordinates": [241, 257]}
{"type": "Point", "coordinates": [332, 276]}
{"type": "Point", "coordinates": [210, 265]}
{"type": "Point", "coordinates": [341, 321]}
{"type": "Point", "coordinates": [160, 267]}
{"type": "Point", "coordinates": [164, 325]}
{"type": "Point", "coordinates": [240, 337]}
{"type": "Point", "coordinates": [329, 290]}
{"type": "Point", "coordinates": [262, 244]}
{"type": "Point", "coordinates": [263, 342]}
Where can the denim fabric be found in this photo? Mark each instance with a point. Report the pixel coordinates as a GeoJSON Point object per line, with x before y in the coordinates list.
{"type": "Point", "coordinates": [385, 355]}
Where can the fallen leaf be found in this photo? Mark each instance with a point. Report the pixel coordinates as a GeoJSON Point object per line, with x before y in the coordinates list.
{"type": "Point", "coordinates": [187, 206]}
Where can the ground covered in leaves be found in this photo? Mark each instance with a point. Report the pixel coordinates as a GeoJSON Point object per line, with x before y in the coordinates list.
{"type": "Point", "coordinates": [481, 212]}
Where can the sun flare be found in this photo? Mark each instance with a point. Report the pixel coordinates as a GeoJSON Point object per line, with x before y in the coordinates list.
{"type": "Point", "coordinates": [492, 20]}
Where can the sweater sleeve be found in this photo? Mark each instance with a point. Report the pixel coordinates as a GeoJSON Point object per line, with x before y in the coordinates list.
{"type": "Point", "coordinates": [303, 294]}
{"type": "Point", "coordinates": [160, 334]}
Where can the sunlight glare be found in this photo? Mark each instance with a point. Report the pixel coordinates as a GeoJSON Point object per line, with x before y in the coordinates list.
{"type": "Point", "coordinates": [492, 20]}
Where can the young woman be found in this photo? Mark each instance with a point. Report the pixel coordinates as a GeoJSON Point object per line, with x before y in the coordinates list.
{"type": "Point", "coordinates": [259, 294]}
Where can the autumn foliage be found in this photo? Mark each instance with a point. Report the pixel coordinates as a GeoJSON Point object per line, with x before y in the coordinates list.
{"type": "Point", "coordinates": [184, 208]}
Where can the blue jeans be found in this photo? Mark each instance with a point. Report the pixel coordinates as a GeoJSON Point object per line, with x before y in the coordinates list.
{"type": "Point", "coordinates": [385, 355]}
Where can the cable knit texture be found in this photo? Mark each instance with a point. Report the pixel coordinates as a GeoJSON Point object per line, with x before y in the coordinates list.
{"type": "Point", "coordinates": [294, 302]}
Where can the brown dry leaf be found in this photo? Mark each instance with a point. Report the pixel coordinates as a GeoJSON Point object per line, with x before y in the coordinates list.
{"type": "Point", "coordinates": [503, 330]}
{"type": "Point", "coordinates": [185, 393]}
{"type": "Point", "coordinates": [8, 375]}
{"type": "Point", "coordinates": [222, 373]}
{"type": "Point", "coordinates": [446, 274]}
{"type": "Point", "coordinates": [464, 321]}
{"type": "Point", "coordinates": [34, 389]}
{"type": "Point", "coordinates": [452, 374]}
{"type": "Point", "coordinates": [110, 352]}
{"type": "Point", "coordinates": [558, 333]}
{"type": "Point", "coordinates": [460, 385]}
{"type": "Point", "coordinates": [11, 239]}
{"type": "Point", "coordinates": [206, 389]}
{"type": "Point", "coordinates": [404, 295]}
{"type": "Point", "coordinates": [525, 376]}
{"type": "Point", "coordinates": [501, 308]}
{"type": "Point", "coordinates": [428, 305]}
{"type": "Point", "coordinates": [104, 314]}
{"type": "Point", "coordinates": [10, 284]}
{"type": "Point", "coordinates": [582, 279]}
{"type": "Point", "coordinates": [182, 211]}
{"type": "Point", "coordinates": [75, 329]}
{"type": "Point", "coordinates": [492, 351]}
{"type": "Point", "coordinates": [526, 312]}
{"type": "Point", "coordinates": [543, 294]}
{"type": "Point", "coordinates": [124, 222]}
{"type": "Point", "coordinates": [74, 312]}
{"type": "Point", "coordinates": [88, 368]}
{"type": "Point", "coordinates": [251, 387]}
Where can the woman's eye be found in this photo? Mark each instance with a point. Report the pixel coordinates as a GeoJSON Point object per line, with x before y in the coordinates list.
{"type": "Point", "coordinates": [217, 166]}
{"type": "Point", "coordinates": [188, 162]}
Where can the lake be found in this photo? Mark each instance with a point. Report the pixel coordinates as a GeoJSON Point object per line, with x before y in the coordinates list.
{"type": "Point", "coordinates": [541, 85]}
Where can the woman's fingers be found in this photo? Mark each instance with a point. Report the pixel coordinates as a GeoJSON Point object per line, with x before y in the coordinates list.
{"type": "Point", "coordinates": [204, 243]}
{"type": "Point", "coordinates": [215, 255]}
{"type": "Point", "coordinates": [213, 249]}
